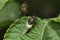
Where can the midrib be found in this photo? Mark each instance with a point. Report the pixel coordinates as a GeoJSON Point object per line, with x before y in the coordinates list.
{"type": "Point", "coordinates": [43, 30]}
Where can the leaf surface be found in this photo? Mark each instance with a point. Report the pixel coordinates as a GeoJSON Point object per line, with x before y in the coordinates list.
{"type": "Point", "coordinates": [9, 13]}
{"type": "Point", "coordinates": [42, 30]}
{"type": "Point", "coordinates": [2, 3]}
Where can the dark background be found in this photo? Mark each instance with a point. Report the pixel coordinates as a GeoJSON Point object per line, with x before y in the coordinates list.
{"type": "Point", "coordinates": [42, 8]}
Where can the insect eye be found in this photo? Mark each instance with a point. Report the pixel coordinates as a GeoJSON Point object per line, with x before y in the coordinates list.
{"type": "Point", "coordinates": [31, 20]}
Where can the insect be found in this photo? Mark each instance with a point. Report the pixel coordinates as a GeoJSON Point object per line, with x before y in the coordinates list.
{"type": "Point", "coordinates": [23, 9]}
{"type": "Point", "coordinates": [29, 24]}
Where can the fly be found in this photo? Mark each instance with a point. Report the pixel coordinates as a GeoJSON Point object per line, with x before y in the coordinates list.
{"type": "Point", "coordinates": [29, 24]}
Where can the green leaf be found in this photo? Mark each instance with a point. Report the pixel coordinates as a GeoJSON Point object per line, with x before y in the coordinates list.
{"type": "Point", "coordinates": [52, 31]}
{"type": "Point", "coordinates": [10, 11]}
{"type": "Point", "coordinates": [8, 14]}
{"type": "Point", "coordinates": [3, 27]}
{"type": "Point", "coordinates": [42, 30]}
{"type": "Point", "coordinates": [57, 19]}
{"type": "Point", "coordinates": [2, 3]}
{"type": "Point", "coordinates": [56, 27]}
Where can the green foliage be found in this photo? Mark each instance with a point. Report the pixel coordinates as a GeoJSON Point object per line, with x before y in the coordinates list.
{"type": "Point", "coordinates": [3, 26]}
{"type": "Point", "coordinates": [2, 3]}
{"type": "Point", "coordinates": [9, 11]}
{"type": "Point", "coordinates": [44, 29]}
{"type": "Point", "coordinates": [57, 19]}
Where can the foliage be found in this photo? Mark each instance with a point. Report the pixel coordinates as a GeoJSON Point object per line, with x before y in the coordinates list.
{"type": "Point", "coordinates": [2, 3]}
{"type": "Point", "coordinates": [9, 11]}
{"type": "Point", "coordinates": [44, 29]}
